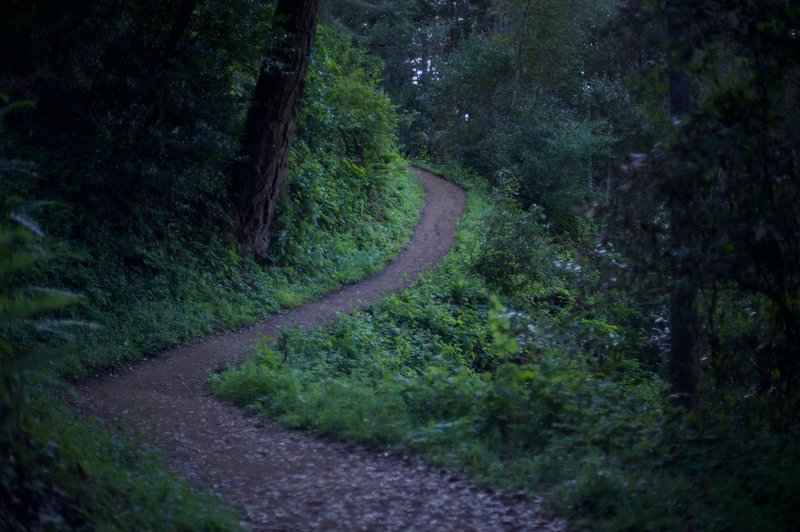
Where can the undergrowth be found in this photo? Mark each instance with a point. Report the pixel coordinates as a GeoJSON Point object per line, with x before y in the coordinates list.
{"type": "Point", "coordinates": [525, 381]}
{"type": "Point", "coordinates": [139, 238]}
{"type": "Point", "coordinates": [63, 472]}
{"type": "Point", "coordinates": [185, 289]}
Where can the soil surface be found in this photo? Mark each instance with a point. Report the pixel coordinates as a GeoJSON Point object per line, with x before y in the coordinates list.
{"type": "Point", "coordinates": [290, 480]}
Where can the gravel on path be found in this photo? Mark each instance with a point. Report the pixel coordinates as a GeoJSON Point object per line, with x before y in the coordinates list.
{"type": "Point", "coordinates": [290, 480]}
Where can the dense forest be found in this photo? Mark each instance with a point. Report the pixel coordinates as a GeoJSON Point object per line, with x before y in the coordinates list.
{"type": "Point", "coordinates": [616, 329]}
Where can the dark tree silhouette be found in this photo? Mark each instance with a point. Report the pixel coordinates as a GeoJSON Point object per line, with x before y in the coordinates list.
{"type": "Point", "coordinates": [683, 360]}
{"type": "Point", "coordinates": [270, 125]}
{"type": "Point", "coordinates": [179, 25]}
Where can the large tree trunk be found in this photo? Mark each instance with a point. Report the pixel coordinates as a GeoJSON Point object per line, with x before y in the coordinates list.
{"type": "Point", "coordinates": [683, 362]}
{"type": "Point", "coordinates": [270, 125]}
{"type": "Point", "coordinates": [179, 25]}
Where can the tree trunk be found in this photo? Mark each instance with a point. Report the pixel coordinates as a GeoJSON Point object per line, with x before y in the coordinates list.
{"type": "Point", "coordinates": [520, 49]}
{"type": "Point", "coordinates": [683, 362]}
{"type": "Point", "coordinates": [179, 25]}
{"type": "Point", "coordinates": [260, 169]}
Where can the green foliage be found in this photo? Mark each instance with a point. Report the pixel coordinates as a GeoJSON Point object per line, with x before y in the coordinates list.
{"type": "Point", "coordinates": [552, 151]}
{"type": "Point", "coordinates": [510, 130]}
{"type": "Point", "coordinates": [731, 163]}
{"type": "Point", "coordinates": [550, 398]}
{"type": "Point", "coordinates": [136, 167]}
{"type": "Point", "coordinates": [346, 111]}
{"type": "Point", "coordinates": [343, 178]}
{"type": "Point", "coordinates": [26, 312]}
{"type": "Point", "coordinates": [153, 277]}
{"type": "Point", "coordinates": [60, 472]}
{"type": "Point", "coordinates": [57, 471]}
{"type": "Point", "coordinates": [517, 255]}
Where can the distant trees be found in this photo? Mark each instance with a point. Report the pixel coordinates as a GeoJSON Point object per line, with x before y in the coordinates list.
{"type": "Point", "coordinates": [508, 102]}
{"type": "Point", "coordinates": [270, 126]}
{"type": "Point", "coordinates": [716, 197]}
{"type": "Point", "coordinates": [548, 107]}
{"type": "Point", "coordinates": [671, 119]}
{"type": "Point", "coordinates": [153, 87]}
{"type": "Point", "coordinates": [740, 146]}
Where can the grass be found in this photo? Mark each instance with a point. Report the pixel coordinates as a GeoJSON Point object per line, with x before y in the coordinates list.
{"type": "Point", "coordinates": [68, 473]}
{"type": "Point", "coordinates": [186, 290]}
{"type": "Point", "coordinates": [60, 470]}
{"type": "Point", "coordinates": [550, 399]}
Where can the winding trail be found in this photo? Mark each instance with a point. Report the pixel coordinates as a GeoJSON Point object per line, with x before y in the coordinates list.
{"type": "Point", "coordinates": [291, 480]}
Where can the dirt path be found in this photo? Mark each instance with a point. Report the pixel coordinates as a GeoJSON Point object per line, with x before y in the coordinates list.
{"type": "Point", "coordinates": [290, 480]}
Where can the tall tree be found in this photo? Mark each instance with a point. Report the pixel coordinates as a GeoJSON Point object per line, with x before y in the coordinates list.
{"type": "Point", "coordinates": [271, 121]}
{"type": "Point", "coordinates": [179, 25]}
{"type": "Point", "coordinates": [683, 363]}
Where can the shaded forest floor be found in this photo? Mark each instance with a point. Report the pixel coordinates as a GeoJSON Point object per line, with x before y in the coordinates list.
{"type": "Point", "coordinates": [284, 479]}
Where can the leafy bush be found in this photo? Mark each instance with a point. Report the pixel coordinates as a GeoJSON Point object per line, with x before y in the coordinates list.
{"type": "Point", "coordinates": [550, 398]}
{"type": "Point", "coordinates": [156, 277]}
{"type": "Point", "coordinates": [140, 210]}
{"type": "Point", "coordinates": [57, 471]}
{"type": "Point", "coordinates": [63, 472]}
{"type": "Point", "coordinates": [518, 255]}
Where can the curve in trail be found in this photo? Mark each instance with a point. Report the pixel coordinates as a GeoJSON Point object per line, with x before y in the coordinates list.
{"type": "Point", "coordinates": [290, 480]}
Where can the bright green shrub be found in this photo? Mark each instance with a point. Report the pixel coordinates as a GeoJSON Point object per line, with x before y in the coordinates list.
{"type": "Point", "coordinates": [142, 213]}
{"type": "Point", "coordinates": [58, 471]}
{"type": "Point", "coordinates": [549, 399]}
{"type": "Point", "coordinates": [61, 472]}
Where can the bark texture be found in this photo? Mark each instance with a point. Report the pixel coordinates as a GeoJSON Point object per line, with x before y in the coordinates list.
{"type": "Point", "coordinates": [270, 125]}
